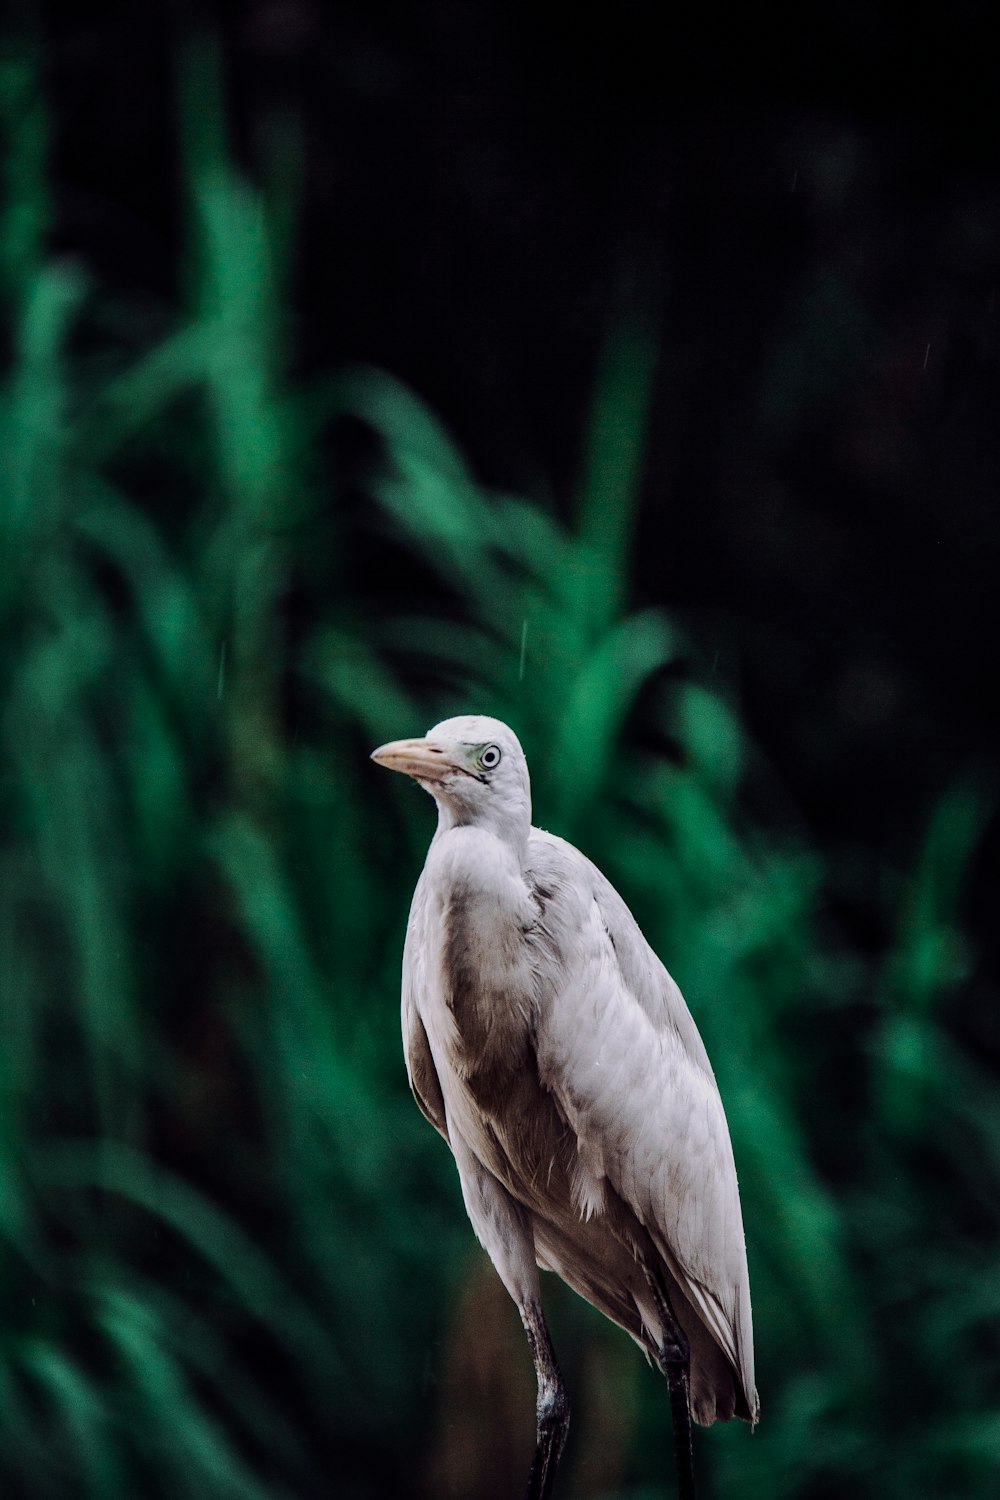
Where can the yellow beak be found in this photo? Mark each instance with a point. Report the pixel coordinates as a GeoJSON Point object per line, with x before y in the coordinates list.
{"type": "Point", "coordinates": [418, 758]}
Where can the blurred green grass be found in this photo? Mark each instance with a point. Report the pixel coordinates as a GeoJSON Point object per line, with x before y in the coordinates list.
{"type": "Point", "coordinates": [228, 1242]}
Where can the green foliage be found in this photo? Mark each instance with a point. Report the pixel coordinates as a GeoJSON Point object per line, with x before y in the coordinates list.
{"type": "Point", "coordinates": [227, 1240]}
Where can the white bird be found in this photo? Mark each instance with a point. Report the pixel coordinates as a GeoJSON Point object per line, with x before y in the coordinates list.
{"type": "Point", "coordinates": [552, 1050]}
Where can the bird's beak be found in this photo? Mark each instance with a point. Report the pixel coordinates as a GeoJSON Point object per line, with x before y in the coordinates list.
{"type": "Point", "coordinates": [417, 758]}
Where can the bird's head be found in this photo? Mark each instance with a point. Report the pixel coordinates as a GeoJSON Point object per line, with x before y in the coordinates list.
{"type": "Point", "coordinates": [474, 768]}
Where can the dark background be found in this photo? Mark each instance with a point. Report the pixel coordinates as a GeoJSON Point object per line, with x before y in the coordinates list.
{"type": "Point", "coordinates": [806, 215]}
{"type": "Point", "coordinates": [787, 232]}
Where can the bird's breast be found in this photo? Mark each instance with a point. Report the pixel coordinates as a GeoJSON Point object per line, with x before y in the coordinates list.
{"type": "Point", "coordinates": [478, 1004]}
{"type": "Point", "coordinates": [486, 977]}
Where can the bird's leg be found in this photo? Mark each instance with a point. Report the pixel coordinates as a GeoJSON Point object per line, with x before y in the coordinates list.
{"type": "Point", "coordinates": [674, 1359]}
{"type": "Point", "coordinates": [551, 1406]}
{"type": "Point", "coordinates": [504, 1228]}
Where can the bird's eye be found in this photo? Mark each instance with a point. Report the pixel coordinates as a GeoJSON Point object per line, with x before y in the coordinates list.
{"type": "Point", "coordinates": [489, 757]}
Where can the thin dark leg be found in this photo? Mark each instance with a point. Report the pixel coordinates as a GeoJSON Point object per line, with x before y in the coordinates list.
{"type": "Point", "coordinates": [551, 1406]}
{"type": "Point", "coordinates": [674, 1359]}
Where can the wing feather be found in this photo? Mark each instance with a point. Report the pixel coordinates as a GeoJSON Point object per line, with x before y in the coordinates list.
{"type": "Point", "coordinates": [420, 1070]}
{"type": "Point", "coordinates": [619, 1050]}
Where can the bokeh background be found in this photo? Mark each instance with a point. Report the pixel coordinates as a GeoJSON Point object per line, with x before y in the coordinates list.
{"type": "Point", "coordinates": [633, 377]}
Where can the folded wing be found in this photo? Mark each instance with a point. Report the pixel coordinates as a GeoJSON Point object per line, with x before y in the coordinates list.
{"type": "Point", "coordinates": [619, 1051]}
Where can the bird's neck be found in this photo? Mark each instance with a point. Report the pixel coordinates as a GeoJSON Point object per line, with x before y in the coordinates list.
{"type": "Point", "coordinates": [508, 825]}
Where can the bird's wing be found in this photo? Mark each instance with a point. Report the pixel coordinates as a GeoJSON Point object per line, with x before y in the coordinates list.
{"type": "Point", "coordinates": [618, 1049]}
{"type": "Point", "coordinates": [420, 1069]}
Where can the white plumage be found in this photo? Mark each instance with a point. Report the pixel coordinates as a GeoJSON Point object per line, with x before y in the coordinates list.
{"type": "Point", "coordinates": [550, 1047]}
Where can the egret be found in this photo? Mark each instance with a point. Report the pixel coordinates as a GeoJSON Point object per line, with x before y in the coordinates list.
{"type": "Point", "coordinates": [551, 1049]}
